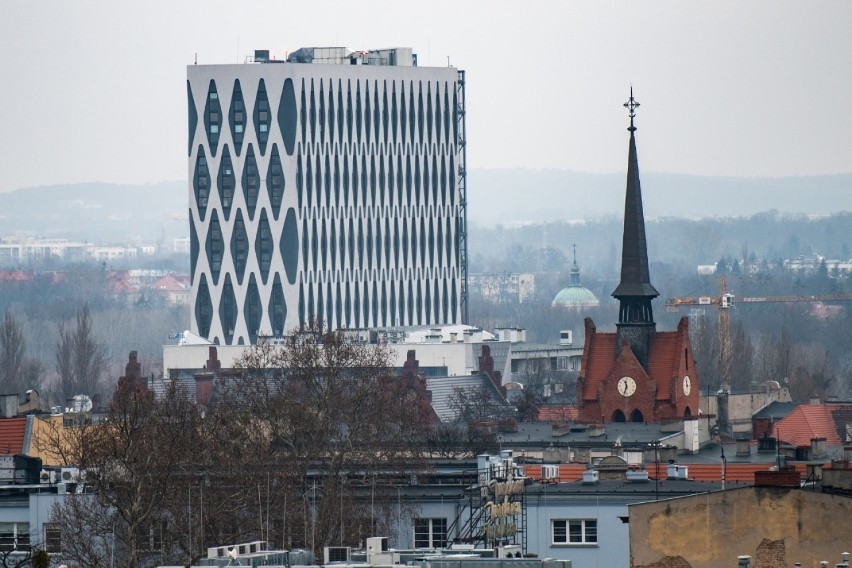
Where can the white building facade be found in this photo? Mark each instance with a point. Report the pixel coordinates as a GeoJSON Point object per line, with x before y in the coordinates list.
{"type": "Point", "coordinates": [328, 190]}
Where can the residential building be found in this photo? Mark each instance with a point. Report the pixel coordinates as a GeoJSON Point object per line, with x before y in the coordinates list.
{"type": "Point", "coordinates": [774, 522]}
{"type": "Point", "coordinates": [503, 287]}
{"type": "Point", "coordinates": [330, 186]}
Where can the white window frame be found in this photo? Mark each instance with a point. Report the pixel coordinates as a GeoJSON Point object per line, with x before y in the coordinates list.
{"type": "Point", "coordinates": [588, 532]}
{"type": "Point", "coordinates": [437, 538]}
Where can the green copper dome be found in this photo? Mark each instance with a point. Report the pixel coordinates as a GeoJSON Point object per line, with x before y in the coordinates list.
{"type": "Point", "coordinates": [575, 295]}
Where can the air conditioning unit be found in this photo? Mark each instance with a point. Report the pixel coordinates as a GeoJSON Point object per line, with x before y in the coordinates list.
{"type": "Point", "coordinates": [379, 553]}
{"type": "Point", "coordinates": [590, 476]}
{"type": "Point", "coordinates": [337, 554]}
{"type": "Point", "coordinates": [509, 551]}
{"type": "Point", "coordinates": [550, 471]}
{"type": "Point", "coordinates": [70, 475]}
{"type": "Point", "coordinates": [47, 476]}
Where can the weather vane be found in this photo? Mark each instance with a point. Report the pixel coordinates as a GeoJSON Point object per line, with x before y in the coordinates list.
{"type": "Point", "coordinates": [631, 105]}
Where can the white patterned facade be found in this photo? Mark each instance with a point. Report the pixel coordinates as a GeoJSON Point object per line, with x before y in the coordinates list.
{"type": "Point", "coordinates": [321, 191]}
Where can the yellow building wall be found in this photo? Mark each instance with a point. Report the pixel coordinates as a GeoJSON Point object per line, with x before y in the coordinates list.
{"type": "Point", "coordinates": [775, 526]}
{"type": "Point", "coordinates": [50, 440]}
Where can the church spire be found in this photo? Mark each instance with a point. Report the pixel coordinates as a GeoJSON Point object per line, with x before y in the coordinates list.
{"type": "Point", "coordinates": [635, 291]}
{"type": "Point", "coordinates": [575, 270]}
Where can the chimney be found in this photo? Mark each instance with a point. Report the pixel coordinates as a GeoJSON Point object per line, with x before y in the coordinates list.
{"type": "Point", "coordinates": [786, 477]}
{"type": "Point", "coordinates": [213, 363]}
{"type": "Point", "coordinates": [815, 399]}
{"type": "Point", "coordinates": [743, 447]}
{"type": "Point", "coordinates": [203, 387]}
{"type": "Point", "coordinates": [818, 448]}
{"type": "Point", "coordinates": [133, 370]}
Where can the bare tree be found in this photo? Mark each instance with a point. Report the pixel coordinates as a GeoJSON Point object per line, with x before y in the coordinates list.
{"type": "Point", "coordinates": [12, 353]}
{"type": "Point", "coordinates": [80, 358]}
{"type": "Point", "coordinates": [478, 405]}
{"type": "Point", "coordinates": [137, 464]}
{"type": "Point", "coordinates": [342, 429]}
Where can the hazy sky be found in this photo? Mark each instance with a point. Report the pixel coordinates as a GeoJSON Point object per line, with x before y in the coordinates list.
{"type": "Point", "coordinates": [95, 90]}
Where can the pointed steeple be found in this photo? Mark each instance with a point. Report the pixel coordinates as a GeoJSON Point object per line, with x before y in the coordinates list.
{"type": "Point", "coordinates": [635, 291]}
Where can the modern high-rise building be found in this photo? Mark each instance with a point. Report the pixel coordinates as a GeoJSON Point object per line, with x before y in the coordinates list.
{"type": "Point", "coordinates": [329, 186]}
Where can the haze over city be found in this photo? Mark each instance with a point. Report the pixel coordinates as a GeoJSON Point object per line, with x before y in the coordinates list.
{"type": "Point", "coordinates": [422, 295]}
{"type": "Point", "coordinates": [95, 90]}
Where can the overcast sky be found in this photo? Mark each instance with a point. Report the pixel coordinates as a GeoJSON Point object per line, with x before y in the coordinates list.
{"type": "Point", "coordinates": [96, 91]}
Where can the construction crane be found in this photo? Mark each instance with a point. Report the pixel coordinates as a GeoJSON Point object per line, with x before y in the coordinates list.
{"type": "Point", "coordinates": [726, 300]}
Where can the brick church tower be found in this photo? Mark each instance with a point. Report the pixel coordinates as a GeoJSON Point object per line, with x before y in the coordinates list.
{"type": "Point", "coordinates": [636, 374]}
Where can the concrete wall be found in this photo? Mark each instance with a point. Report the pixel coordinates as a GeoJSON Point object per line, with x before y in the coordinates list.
{"type": "Point", "coordinates": [775, 525]}
{"type": "Point", "coordinates": [460, 358]}
{"type": "Point", "coordinates": [741, 407]}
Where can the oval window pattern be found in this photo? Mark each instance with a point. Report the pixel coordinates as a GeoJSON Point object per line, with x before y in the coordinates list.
{"type": "Point", "coordinates": [212, 118]}
{"type": "Point", "coordinates": [201, 183]}
{"type": "Point", "coordinates": [289, 245]}
{"type": "Point", "coordinates": [237, 117]}
{"type": "Point", "coordinates": [193, 117]}
{"type": "Point", "coordinates": [203, 308]}
{"type": "Point", "coordinates": [275, 182]}
{"type": "Point", "coordinates": [287, 116]}
{"type": "Point", "coordinates": [263, 246]}
{"type": "Point", "coordinates": [262, 117]}
{"type": "Point", "coordinates": [226, 182]}
{"type": "Point", "coordinates": [250, 182]}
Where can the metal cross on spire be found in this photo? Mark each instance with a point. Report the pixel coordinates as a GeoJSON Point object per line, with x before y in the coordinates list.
{"type": "Point", "coordinates": [631, 105]}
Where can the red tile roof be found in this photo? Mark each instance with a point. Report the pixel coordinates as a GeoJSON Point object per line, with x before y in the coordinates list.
{"type": "Point", "coordinates": [810, 421]}
{"type": "Point", "coordinates": [597, 362]}
{"type": "Point", "coordinates": [568, 472]}
{"type": "Point", "coordinates": [663, 351]}
{"type": "Point", "coordinates": [170, 283]}
{"type": "Point", "coordinates": [663, 360]}
{"type": "Point", "coordinates": [557, 413]}
{"type": "Point", "coordinates": [16, 276]}
{"type": "Point", "coordinates": [734, 472]}
{"type": "Point", "coordinates": [12, 435]}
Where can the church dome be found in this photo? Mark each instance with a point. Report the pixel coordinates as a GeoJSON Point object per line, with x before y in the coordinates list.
{"type": "Point", "coordinates": [575, 295]}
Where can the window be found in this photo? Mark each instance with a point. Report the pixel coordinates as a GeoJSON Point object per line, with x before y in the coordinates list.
{"type": "Point", "coordinates": [52, 537]}
{"type": "Point", "coordinates": [151, 537]}
{"type": "Point", "coordinates": [14, 536]}
{"type": "Point", "coordinates": [430, 533]}
{"type": "Point", "coordinates": [575, 531]}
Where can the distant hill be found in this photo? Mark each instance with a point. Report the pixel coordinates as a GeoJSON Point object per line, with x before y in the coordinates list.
{"type": "Point", "coordinates": [114, 213]}
{"type": "Point", "coordinates": [98, 212]}
{"type": "Point", "coordinates": [524, 195]}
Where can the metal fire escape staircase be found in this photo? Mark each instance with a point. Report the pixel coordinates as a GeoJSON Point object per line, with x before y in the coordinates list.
{"type": "Point", "coordinates": [495, 514]}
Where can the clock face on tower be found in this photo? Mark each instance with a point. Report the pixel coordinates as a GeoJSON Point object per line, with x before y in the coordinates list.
{"type": "Point", "coordinates": [626, 386]}
{"type": "Point", "coordinates": [687, 386]}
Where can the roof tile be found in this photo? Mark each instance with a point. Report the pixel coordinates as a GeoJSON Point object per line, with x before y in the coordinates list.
{"type": "Point", "coordinates": [12, 435]}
